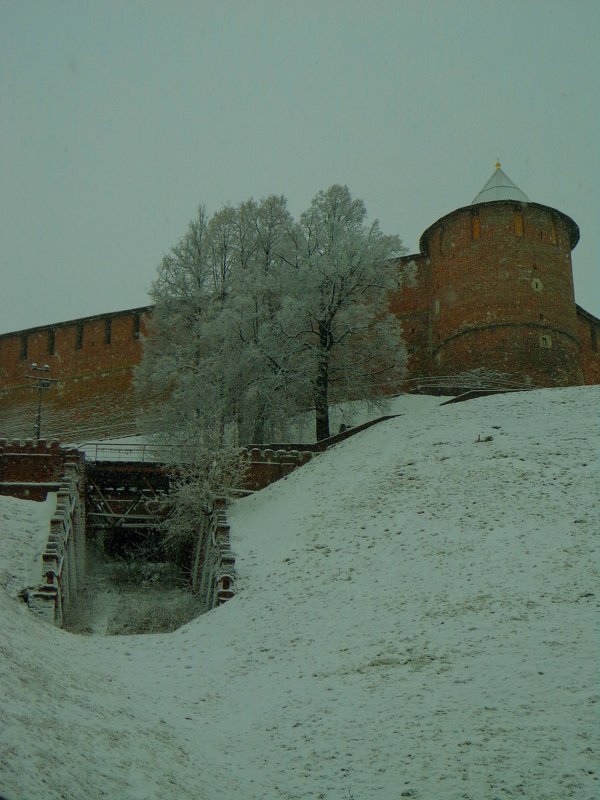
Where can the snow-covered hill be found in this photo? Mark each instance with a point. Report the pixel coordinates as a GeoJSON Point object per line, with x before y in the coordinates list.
{"type": "Point", "coordinates": [417, 617]}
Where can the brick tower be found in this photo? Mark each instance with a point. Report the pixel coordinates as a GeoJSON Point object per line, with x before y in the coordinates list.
{"type": "Point", "coordinates": [501, 288]}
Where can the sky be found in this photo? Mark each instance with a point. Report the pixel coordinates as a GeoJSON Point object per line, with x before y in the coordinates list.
{"type": "Point", "coordinates": [415, 615]}
{"type": "Point", "coordinates": [118, 119]}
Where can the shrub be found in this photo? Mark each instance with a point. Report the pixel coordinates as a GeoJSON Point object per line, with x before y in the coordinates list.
{"type": "Point", "coordinates": [154, 612]}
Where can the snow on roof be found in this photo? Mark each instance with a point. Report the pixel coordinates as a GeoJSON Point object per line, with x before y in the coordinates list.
{"type": "Point", "coordinates": [500, 187]}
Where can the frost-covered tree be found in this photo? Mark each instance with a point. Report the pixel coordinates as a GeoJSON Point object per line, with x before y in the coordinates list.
{"type": "Point", "coordinates": [167, 378]}
{"type": "Point", "coordinates": [203, 468]}
{"type": "Point", "coordinates": [257, 318]}
{"type": "Point", "coordinates": [214, 351]}
{"type": "Point", "coordinates": [264, 362]}
{"type": "Point", "coordinates": [336, 305]}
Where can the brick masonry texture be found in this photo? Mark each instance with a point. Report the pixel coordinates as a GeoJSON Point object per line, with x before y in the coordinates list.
{"type": "Point", "coordinates": [29, 470]}
{"type": "Point", "coordinates": [92, 360]}
{"type": "Point", "coordinates": [492, 288]}
{"type": "Point", "coordinates": [495, 291]}
{"type": "Point", "coordinates": [502, 292]}
{"type": "Point", "coordinates": [589, 337]}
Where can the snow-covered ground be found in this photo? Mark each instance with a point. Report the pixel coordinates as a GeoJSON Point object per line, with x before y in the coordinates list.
{"type": "Point", "coordinates": [24, 529]}
{"type": "Point", "coordinates": [417, 616]}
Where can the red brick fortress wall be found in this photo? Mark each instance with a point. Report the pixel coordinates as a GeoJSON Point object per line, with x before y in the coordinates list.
{"type": "Point", "coordinates": [491, 289]}
{"type": "Point", "coordinates": [502, 293]}
{"type": "Point", "coordinates": [30, 471]}
{"type": "Point", "coordinates": [411, 303]}
{"type": "Point", "coordinates": [91, 359]}
{"type": "Point", "coordinates": [589, 336]}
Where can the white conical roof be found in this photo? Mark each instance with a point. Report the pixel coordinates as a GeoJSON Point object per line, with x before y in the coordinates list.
{"type": "Point", "coordinates": [500, 187]}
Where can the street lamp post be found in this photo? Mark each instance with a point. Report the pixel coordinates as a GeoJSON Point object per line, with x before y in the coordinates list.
{"type": "Point", "coordinates": [43, 381]}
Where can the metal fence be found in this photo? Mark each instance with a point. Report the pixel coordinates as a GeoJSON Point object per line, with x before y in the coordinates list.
{"type": "Point", "coordinates": [134, 451]}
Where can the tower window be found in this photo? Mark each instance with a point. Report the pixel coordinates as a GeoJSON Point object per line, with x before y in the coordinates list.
{"type": "Point", "coordinates": [518, 221]}
{"type": "Point", "coordinates": [546, 340]}
{"type": "Point", "coordinates": [475, 227]}
{"type": "Point", "coordinates": [537, 285]}
{"type": "Point", "coordinates": [136, 326]}
{"type": "Point", "coordinates": [107, 331]}
{"type": "Point", "coordinates": [553, 232]}
{"type": "Point", "coordinates": [79, 336]}
{"type": "Point", "coordinates": [51, 341]}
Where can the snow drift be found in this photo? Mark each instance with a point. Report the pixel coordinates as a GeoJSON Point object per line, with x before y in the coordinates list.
{"type": "Point", "coordinates": [416, 617]}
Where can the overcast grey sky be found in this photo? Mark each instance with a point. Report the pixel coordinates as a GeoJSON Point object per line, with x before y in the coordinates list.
{"type": "Point", "coordinates": [117, 119]}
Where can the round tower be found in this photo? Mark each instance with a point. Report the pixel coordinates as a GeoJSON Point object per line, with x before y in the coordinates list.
{"type": "Point", "coordinates": [502, 288]}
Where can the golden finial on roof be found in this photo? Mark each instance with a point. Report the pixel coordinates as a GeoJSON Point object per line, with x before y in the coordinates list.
{"type": "Point", "coordinates": [498, 165]}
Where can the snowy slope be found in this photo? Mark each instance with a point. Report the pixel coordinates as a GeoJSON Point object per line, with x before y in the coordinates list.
{"type": "Point", "coordinates": [417, 618]}
{"type": "Point", "coordinates": [24, 530]}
